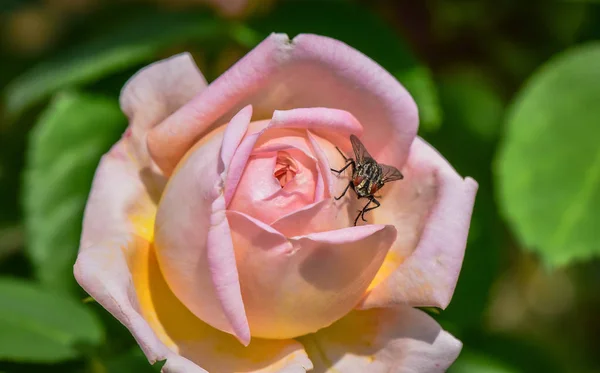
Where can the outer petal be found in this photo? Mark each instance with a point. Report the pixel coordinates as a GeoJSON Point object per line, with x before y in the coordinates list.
{"type": "Point", "coordinates": [192, 236]}
{"type": "Point", "coordinates": [118, 211]}
{"type": "Point", "coordinates": [293, 286]}
{"type": "Point", "coordinates": [125, 278]}
{"type": "Point", "coordinates": [309, 71]}
{"type": "Point", "coordinates": [211, 349]}
{"type": "Point", "coordinates": [123, 194]}
{"type": "Point", "coordinates": [431, 209]}
{"type": "Point", "coordinates": [402, 340]}
{"type": "Point", "coordinates": [102, 270]}
{"type": "Point", "coordinates": [155, 92]}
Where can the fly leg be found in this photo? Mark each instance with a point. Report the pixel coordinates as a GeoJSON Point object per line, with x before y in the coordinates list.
{"type": "Point", "coordinates": [361, 214]}
{"type": "Point", "coordinates": [342, 154]}
{"type": "Point", "coordinates": [350, 162]}
{"type": "Point", "coordinates": [344, 192]}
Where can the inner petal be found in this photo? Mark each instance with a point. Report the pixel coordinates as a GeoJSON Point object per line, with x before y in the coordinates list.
{"type": "Point", "coordinates": [275, 182]}
{"type": "Point", "coordinates": [285, 168]}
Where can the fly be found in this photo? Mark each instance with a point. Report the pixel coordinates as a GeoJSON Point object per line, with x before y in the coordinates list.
{"type": "Point", "coordinates": [368, 176]}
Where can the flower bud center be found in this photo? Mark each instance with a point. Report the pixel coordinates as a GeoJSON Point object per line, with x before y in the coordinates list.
{"type": "Point", "coordinates": [285, 168]}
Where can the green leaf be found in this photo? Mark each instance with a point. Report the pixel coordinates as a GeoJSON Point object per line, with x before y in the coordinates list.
{"type": "Point", "coordinates": [137, 42]}
{"type": "Point", "coordinates": [133, 360]}
{"type": "Point", "coordinates": [358, 27]}
{"type": "Point", "coordinates": [64, 150]}
{"type": "Point", "coordinates": [40, 326]}
{"type": "Point", "coordinates": [471, 362]}
{"type": "Point", "coordinates": [548, 168]}
{"type": "Point", "coordinates": [509, 353]}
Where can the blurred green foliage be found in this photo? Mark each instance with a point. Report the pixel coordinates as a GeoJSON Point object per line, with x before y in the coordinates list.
{"type": "Point", "coordinates": [39, 326]}
{"type": "Point", "coordinates": [137, 41]}
{"type": "Point", "coordinates": [549, 163]}
{"type": "Point", "coordinates": [507, 91]}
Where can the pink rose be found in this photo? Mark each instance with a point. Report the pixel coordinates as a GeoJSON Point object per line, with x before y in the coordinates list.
{"type": "Point", "coordinates": [212, 234]}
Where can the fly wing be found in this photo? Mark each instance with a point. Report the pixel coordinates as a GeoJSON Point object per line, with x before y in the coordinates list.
{"type": "Point", "coordinates": [390, 173]}
{"type": "Point", "coordinates": [360, 152]}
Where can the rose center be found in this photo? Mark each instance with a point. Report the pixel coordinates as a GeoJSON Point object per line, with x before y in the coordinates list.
{"type": "Point", "coordinates": [285, 168]}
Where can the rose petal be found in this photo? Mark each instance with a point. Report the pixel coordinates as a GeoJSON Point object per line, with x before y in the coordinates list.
{"type": "Point", "coordinates": [211, 349]}
{"type": "Point", "coordinates": [431, 208]}
{"type": "Point", "coordinates": [318, 217]}
{"type": "Point", "coordinates": [240, 159]}
{"type": "Point", "coordinates": [262, 132]}
{"type": "Point", "coordinates": [192, 237]}
{"type": "Point", "coordinates": [325, 182]}
{"type": "Point", "coordinates": [328, 214]}
{"type": "Point", "coordinates": [154, 93]}
{"type": "Point", "coordinates": [234, 134]}
{"type": "Point", "coordinates": [125, 278]}
{"type": "Point", "coordinates": [259, 193]}
{"type": "Point", "coordinates": [276, 139]}
{"type": "Point", "coordinates": [293, 286]}
{"type": "Point", "coordinates": [402, 340]}
{"type": "Point", "coordinates": [102, 271]}
{"type": "Point", "coordinates": [119, 214]}
{"type": "Point", "coordinates": [308, 71]}
{"type": "Point", "coordinates": [323, 121]}
{"type": "Point", "coordinates": [124, 192]}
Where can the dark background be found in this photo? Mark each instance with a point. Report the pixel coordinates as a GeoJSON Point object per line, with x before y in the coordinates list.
{"type": "Point", "coordinates": [508, 91]}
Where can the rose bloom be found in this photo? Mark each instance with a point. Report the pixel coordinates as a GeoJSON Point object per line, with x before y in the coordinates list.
{"type": "Point", "coordinates": [212, 232]}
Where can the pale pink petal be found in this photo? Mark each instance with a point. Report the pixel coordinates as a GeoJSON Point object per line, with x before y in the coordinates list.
{"type": "Point", "coordinates": [234, 133]}
{"type": "Point", "coordinates": [400, 340]}
{"type": "Point", "coordinates": [154, 93]}
{"type": "Point", "coordinates": [281, 138]}
{"type": "Point", "coordinates": [124, 190]}
{"type": "Point", "coordinates": [325, 186]}
{"type": "Point", "coordinates": [322, 216]}
{"type": "Point", "coordinates": [192, 237]}
{"type": "Point", "coordinates": [336, 124]}
{"type": "Point", "coordinates": [118, 199]}
{"type": "Point", "coordinates": [297, 285]}
{"type": "Point", "coordinates": [240, 159]}
{"type": "Point", "coordinates": [431, 209]}
{"type": "Point", "coordinates": [323, 121]}
{"type": "Point", "coordinates": [119, 213]}
{"type": "Point", "coordinates": [260, 194]}
{"type": "Point", "coordinates": [124, 277]}
{"type": "Point", "coordinates": [102, 271]}
{"type": "Point", "coordinates": [307, 72]}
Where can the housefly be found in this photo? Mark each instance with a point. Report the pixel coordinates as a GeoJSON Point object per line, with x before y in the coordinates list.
{"type": "Point", "coordinates": [368, 176]}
